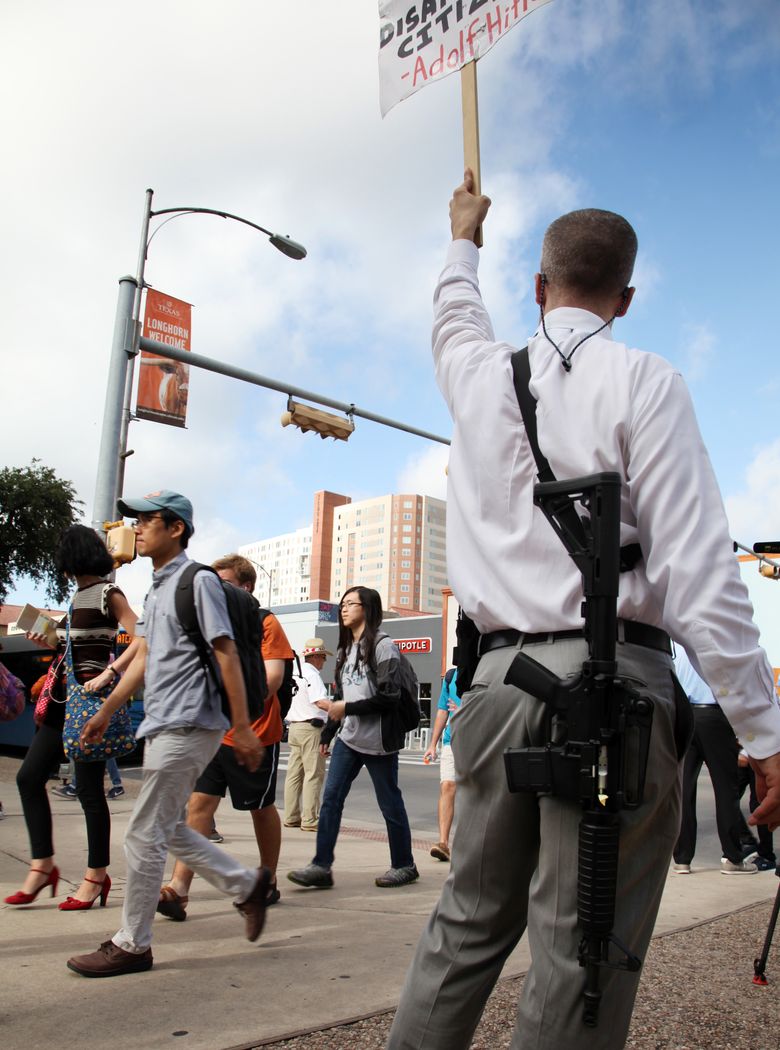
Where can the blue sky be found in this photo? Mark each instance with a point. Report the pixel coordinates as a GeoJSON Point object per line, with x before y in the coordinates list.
{"type": "Point", "coordinates": [665, 111]}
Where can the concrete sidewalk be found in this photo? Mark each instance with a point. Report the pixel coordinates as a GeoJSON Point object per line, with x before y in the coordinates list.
{"type": "Point", "coordinates": [324, 957]}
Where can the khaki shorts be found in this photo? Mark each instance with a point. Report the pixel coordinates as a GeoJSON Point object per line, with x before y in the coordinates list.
{"type": "Point", "coordinates": [446, 763]}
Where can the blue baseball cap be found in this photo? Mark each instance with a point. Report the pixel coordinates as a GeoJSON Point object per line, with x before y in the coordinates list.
{"type": "Point", "coordinates": [162, 500]}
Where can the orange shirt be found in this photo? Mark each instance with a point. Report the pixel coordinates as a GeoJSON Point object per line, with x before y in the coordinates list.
{"type": "Point", "coordinates": [268, 728]}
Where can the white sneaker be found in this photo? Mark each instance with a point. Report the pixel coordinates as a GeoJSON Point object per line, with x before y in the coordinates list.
{"type": "Point", "coordinates": [681, 869]}
{"type": "Point", "coordinates": [728, 867]}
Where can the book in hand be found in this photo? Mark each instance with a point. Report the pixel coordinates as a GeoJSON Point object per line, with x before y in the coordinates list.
{"type": "Point", "coordinates": [33, 621]}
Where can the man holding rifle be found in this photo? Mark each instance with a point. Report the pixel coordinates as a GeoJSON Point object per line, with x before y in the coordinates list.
{"type": "Point", "coordinates": [600, 406]}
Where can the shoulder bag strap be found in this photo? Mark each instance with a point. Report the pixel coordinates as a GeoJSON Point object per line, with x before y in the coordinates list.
{"type": "Point", "coordinates": [68, 654]}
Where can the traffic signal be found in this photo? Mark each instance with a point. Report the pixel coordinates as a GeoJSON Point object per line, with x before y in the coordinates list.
{"type": "Point", "coordinates": [768, 569]}
{"type": "Point", "coordinates": [324, 423]}
{"type": "Point", "coordinates": [120, 541]}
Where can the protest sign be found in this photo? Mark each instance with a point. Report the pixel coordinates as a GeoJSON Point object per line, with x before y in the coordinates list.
{"type": "Point", "coordinates": [163, 384]}
{"type": "Point", "coordinates": [429, 39]}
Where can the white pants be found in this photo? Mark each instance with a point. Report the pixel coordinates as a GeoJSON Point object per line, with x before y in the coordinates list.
{"type": "Point", "coordinates": [173, 761]}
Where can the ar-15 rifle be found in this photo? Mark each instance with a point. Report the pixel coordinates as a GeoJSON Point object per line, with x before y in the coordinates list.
{"type": "Point", "coordinates": [604, 721]}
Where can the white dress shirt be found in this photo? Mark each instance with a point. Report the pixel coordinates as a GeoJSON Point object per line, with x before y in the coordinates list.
{"type": "Point", "coordinates": [310, 688]}
{"type": "Point", "coordinates": [618, 409]}
{"type": "Point", "coordinates": [696, 689]}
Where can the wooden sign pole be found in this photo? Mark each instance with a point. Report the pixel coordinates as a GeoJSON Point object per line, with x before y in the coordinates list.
{"type": "Point", "coordinates": [468, 87]}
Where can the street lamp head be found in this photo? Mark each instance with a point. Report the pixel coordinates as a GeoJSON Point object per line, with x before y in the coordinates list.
{"type": "Point", "coordinates": [287, 246]}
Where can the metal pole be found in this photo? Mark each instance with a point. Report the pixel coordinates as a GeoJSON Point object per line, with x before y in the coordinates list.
{"type": "Point", "coordinates": [128, 391]}
{"type": "Point", "coordinates": [211, 364]}
{"type": "Point", "coordinates": [108, 460]}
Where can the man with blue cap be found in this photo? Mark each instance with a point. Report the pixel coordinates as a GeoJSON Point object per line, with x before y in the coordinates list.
{"type": "Point", "coordinates": [183, 725]}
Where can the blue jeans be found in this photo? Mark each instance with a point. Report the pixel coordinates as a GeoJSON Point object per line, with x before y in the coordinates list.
{"type": "Point", "coordinates": [113, 771]}
{"type": "Point", "coordinates": [345, 764]}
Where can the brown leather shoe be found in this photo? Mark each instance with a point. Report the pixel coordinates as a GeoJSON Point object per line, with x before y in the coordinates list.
{"type": "Point", "coordinates": [110, 961]}
{"type": "Point", "coordinates": [253, 908]}
{"type": "Point", "coordinates": [172, 905]}
{"type": "Point", "coordinates": [440, 851]}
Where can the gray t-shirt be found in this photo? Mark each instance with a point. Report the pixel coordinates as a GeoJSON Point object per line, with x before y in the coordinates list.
{"type": "Point", "coordinates": [178, 692]}
{"type": "Point", "coordinates": [364, 732]}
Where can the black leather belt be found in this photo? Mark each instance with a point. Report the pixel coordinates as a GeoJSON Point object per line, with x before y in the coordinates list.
{"type": "Point", "coordinates": [310, 722]}
{"type": "Point", "coordinates": [628, 631]}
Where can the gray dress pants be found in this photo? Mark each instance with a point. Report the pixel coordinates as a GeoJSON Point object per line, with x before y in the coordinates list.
{"type": "Point", "coordinates": [173, 761]}
{"type": "Point", "coordinates": [514, 866]}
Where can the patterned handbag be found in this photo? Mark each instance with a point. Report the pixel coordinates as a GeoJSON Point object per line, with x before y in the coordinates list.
{"type": "Point", "coordinates": [47, 694]}
{"type": "Point", "coordinates": [80, 706]}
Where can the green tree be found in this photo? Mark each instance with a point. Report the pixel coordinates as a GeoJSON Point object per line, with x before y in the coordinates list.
{"type": "Point", "coordinates": [35, 506]}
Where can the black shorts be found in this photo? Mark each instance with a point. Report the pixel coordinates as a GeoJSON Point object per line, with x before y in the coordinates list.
{"type": "Point", "coordinates": [247, 790]}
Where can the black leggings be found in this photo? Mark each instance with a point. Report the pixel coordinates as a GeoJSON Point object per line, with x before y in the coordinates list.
{"type": "Point", "coordinates": [44, 751]}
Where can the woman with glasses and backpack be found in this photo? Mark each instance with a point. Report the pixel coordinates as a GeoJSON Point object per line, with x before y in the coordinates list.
{"type": "Point", "coordinates": [370, 734]}
{"type": "Point", "coordinates": [96, 610]}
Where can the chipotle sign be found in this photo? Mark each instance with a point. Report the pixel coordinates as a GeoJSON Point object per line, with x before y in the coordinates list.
{"type": "Point", "coordinates": [413, 645]}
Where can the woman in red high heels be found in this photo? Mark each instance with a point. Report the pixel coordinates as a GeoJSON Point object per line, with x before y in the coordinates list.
{"type": "Point", "coordinates": [96, 610]}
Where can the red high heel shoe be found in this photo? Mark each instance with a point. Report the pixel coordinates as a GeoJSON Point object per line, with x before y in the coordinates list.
{"type": "Point", "coordinates": [52, 878]}
{"type": "Point", "coordinates": [74, 904]}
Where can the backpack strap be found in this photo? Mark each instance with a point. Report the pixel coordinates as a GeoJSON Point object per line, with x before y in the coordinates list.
{"type": "Point", "coordinates": [631, 553]}
{"type": "Point", "coordinates": [184, 603]}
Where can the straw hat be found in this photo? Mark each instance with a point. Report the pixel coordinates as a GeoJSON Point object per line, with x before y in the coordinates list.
{"type": "Point", "coordinates": [315, 647]}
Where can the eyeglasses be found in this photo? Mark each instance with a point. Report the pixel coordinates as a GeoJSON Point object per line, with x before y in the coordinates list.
{"type": "Point", "coordinates": [145, 519]}
{"type": "Point", "coordinates": [349, 605]}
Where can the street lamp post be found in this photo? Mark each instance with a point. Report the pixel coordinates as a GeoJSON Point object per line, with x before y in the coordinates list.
{"type": "Point", "coordinates": [125, 348]}
{"type": "Point", "coordinates": [270, 576]}
{"type": "Point", "coordinates": [262, 568]}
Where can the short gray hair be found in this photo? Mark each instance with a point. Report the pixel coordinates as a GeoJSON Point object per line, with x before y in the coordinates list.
{"type": "Point", "coordinates": [589, 251]}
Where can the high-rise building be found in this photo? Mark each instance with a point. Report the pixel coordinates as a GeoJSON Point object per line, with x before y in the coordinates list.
{"type": "Point", "coordinates": [325, 504]}
{"type": "Point", "coordinates": [393, 543]}
{"type": "Point", "coordinates": [283, 566]}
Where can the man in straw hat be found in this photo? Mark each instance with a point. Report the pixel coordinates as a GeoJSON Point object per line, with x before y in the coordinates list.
{"type": "Point", "coordinates": [306, 763]}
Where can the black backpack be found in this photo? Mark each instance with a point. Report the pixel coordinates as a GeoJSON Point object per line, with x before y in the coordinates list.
{"type": "Point", "coordinates": [289, 686]}
{"type": "Point", "coordinates": [246, 619]}
{"type": "Point", "coordinates": [409, 712]}
{"type": "Point", "coordinates": [409, 705]}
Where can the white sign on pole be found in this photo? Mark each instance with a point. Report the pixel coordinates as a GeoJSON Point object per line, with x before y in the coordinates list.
{"type": "Point", "coordinates": [425, 40]}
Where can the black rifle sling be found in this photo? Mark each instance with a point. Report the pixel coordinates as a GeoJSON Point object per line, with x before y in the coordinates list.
{"type": "Point", "coordinates": [631, 553]}
{"type": "Point", "coordinates": [521, 371]}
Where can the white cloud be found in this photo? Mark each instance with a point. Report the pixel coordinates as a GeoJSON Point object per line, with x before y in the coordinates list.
{"type": "Point", "coordinates": [647, 279]}
{"type": "Point", "coordinates": [697, 350]}
{"type": "Point", "coordinates": [754, 516]}
{"type": "Point", "coordinates": [425, 473]}
{"type": "Point", "coordinates": [754, 513]}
